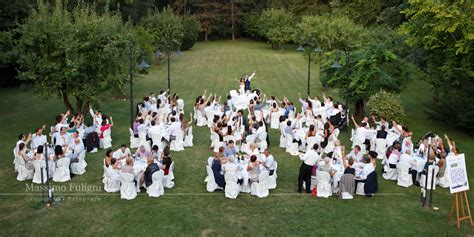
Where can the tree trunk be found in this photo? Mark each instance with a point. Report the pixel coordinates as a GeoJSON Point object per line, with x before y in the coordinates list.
{"type": "Point", "coordinates": [79, 105]}
{"type": "Point", "coordinates": [85, 107]}
{"type": "Point", "coordinates": [359, 107]}
{"type": "Point", "coordinates": [232, 18]}
{"type": "Point", "coordinates": [67, 103]}
{"type": "Point", "coordinates": [205, 36]}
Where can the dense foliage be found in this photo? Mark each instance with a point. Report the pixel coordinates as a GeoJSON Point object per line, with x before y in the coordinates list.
{"type": "Point", "coordinates": [385, 104]}
{"type": "Point", "coordinates": [78, 54]}
{"type": "Point", "coordinates": [443, 31]}
{"type": "Point", "coordinates": [380, 44]}
{"type": "Point", "coordinates": [167, 29]}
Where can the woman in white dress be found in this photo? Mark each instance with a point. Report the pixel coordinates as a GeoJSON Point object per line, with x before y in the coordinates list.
{"type": "Point", "coordinates": [242, 86]}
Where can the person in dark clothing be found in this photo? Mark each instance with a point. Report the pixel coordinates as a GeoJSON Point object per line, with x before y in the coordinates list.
{"type": "Point", "coordinates": [92, 141]}
{"type": "Point", "coordinates": [382, 133]}
{"type": "Point", "coordinates": [166, 161]}
{"type": "Point", "coordinates": [217, 170]}
{"type": "Point", "coordinates": [149, 171]}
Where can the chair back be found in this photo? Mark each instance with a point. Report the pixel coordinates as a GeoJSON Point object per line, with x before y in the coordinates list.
{"type": "Point", "coordinates": [250, 139]}
{"type": "Point", "coordinates": [158, 176]}
{"type": "Point", "coordinates": [38, 164]}
{"type": "Point", "coordinates": [230, 178]}
{"type": "Point", "coordinates": [210, 174]}
{"type": "Point", "coordinates": [63, 162]}
{"type": "Point", "coordinates": [263, 178]}
{"type": "Point", "coordinates": [126, 177]}
{"type": "Point", "coordinates": [323, 176]}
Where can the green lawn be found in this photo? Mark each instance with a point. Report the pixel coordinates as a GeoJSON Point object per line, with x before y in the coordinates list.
{"type": "Point", "coordinates": [188, 209]}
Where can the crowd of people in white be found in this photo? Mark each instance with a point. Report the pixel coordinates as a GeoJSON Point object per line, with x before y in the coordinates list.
{"type": "Point", "coordinates": [64, 155]}
{"type": "Point", "coordinates": [238, 142]}
{"type": "Point", "coordinates": [159, 127]}
{"type": "Point", "coordinates": [241, 161]}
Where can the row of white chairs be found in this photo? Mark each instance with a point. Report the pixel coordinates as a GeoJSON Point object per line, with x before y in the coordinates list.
{"type": "Point", "coordinates": [401, 175]}
{"type": "Point", "coordinates": [233, 189]}
{"type": "Point", "coordinates": [124, 183]}
{"type": "Point", "coordinates": [293, 148]}
{"type": "Point", "coordinates": [61, 170]}
{"type": "Point", "coordinates": [182, 141]}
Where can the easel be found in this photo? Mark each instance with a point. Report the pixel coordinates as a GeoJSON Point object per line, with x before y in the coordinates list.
{"type": "Point", "coordinates": [459, 200]}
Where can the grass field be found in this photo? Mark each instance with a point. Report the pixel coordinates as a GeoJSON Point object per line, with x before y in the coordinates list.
{"type": "Point", "coordinates": [188, 209]}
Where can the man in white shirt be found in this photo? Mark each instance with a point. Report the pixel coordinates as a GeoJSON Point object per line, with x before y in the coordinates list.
{"type": "Point", "coordinates": [368, 168]}
{"type": "Point", "coordinates": [310, 158]}
{"type": "Point", "coordinates": [22, 139]}
{"type": "Point", "coordinates": [355, 154]}
{"type": "Point", "coordinates": [78, 148]}
{"type": "Point", "coordinates": [38, 138]}
{"type": "Point", "coordinates": [268, 161]}
{"type": "Point", "coordinates": [61, 137]}
{"type": "Point", "coordinates": [122, 153]}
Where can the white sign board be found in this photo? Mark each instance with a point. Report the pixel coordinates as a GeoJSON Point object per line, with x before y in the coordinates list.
{"type": "Point", "coordinates": [457, 173]}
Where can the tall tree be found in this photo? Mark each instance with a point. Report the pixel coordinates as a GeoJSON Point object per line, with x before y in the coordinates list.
{"type": "Point", "coordinates": [276, 25]}
{"type": "Point", "coordinates": [167, 29]}
{"type": "Point", "coordinates": [443, 30]}
{"type": "Point", "coordinates": [77, 54]}
{"type": "Point", "coordinates": [208, 13]}
{"type": "Point", "coordinates": [377, 64]}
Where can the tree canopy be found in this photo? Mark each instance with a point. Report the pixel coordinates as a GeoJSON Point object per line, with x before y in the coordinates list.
{"type": "Point", "coordinates": [80, 53]}
{"type": "Point", "coordinates": [443, 32]}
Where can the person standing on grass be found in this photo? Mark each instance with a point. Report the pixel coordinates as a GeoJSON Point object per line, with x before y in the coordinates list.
{"type": "Point", "coordinates": [310, 159]}
{"type": "Point", "coordinates": [247, 79]}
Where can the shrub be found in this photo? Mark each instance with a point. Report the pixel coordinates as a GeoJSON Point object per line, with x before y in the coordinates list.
{"type": "Point", "coordinates": [387, 105]}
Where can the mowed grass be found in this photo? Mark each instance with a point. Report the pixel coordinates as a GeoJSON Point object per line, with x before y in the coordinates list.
{"type": "Point", "coordinates": [188, 209]}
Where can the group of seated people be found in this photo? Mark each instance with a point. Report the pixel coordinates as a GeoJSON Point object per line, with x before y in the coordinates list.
{"type": "Point", "coordinates": [70, 139]}
{"type": "Point", "coordinates": [161, 121]}
{"type": "Point", "coordinates": [341, 174]}
{"type": "Point", "coordinates": [232, 170]}
{"type": "Point", "coordinates": [404, 160]}
{"type": "Point", "coordinates": [409, 164]}
{"type": "Point", "coordinates": [141, 165]}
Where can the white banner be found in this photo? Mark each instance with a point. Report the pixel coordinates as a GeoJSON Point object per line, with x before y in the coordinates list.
{"type": "Point", "coordinates": [457, 173]}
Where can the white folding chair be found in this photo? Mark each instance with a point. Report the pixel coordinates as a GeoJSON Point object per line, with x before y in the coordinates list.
{"type": "Point", "coordinates": [323, 184]}
{"type": "Point", "coordinates": [404, 178]}
{"type": "Point", "coordinates": [430, 174]}
{"type": "Point", "coordinates": [188, 139]}
{"type": "Point", "coordinates": [134, 141]}
{"type": "Point", "coordinates": [111, 181]}
{"type": "Point", "coordinates": [232, 188]}
{"type": "Point", "coordinates": [106, 142]}
{"type": "Point", "coordinates": [260, 188]}
{"type": "Point", "coordinates": [40, 166]}
{"type": "Point", "coordinates": [178, 143]}
{"type": "Point", "coordinates": [211, 183]}
{"type": "Point", "coordinates": [168, 180]}
{"type": "Point", "coordinates": [79, 168]}
{"type": "Point", "coordinates": [62, 172]}
{"type": "Point", "coordinates": [272, 179]}
{"type": "Point", "coordinates": [275, 120]}
{"type": "Point", "coordinates": [128, 190]}
{"type": "Point", "coordinates": [156, 188]}
{"type": "Point", "coordinates": [380, 147]}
